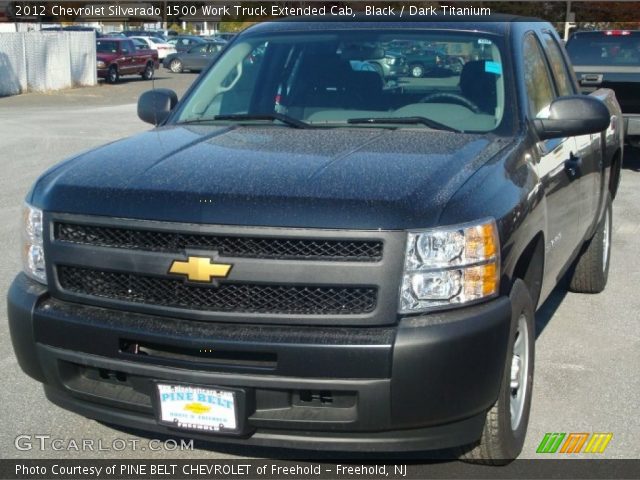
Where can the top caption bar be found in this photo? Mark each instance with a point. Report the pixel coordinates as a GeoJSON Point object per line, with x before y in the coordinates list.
{"type": "Point", "coordinates": [45, 11]}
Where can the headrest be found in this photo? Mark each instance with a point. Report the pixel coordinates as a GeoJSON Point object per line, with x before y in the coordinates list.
{"type": "Point", "coordinates": [479, 85]}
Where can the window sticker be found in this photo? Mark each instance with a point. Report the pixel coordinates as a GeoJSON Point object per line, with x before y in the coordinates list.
{"type": "Point", "coordinates": [484, 41]}
{"type": "Point", "coordinates": [493, 67]}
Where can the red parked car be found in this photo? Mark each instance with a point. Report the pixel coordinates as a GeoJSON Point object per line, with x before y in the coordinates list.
{"type": "Point", "coordinates": [118, 56]}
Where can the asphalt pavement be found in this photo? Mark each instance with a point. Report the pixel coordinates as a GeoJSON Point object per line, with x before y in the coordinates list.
{"type": "Point", "coordinates": [588, 346]}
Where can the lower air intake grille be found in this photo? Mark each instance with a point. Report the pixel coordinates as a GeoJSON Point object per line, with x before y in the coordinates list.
{"type": "Point", "coordinates": [228, 297]}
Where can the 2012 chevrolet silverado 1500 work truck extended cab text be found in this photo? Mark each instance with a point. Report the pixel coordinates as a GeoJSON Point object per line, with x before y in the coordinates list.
{"type": "Point", "coordinates": [305, 254]}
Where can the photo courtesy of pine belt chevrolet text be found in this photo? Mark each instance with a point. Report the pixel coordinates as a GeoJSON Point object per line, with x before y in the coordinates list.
{"type": "Point", "coordinates": [307, 252]}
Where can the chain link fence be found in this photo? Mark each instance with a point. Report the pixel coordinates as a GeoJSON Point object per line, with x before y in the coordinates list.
{"type": "Point", "coordinates": [44, 61]}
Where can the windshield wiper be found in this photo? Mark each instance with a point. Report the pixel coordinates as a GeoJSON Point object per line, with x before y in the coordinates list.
{"type": "Point", "coordinates": [292, 122]}
{"type": "Point", "coordinates": [406, 121]}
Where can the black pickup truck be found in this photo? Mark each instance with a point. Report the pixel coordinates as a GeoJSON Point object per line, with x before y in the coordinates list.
{"type": "Point", "coordinates": [298, 256]}
{"type": "Point", "coordinates": [611, 59]}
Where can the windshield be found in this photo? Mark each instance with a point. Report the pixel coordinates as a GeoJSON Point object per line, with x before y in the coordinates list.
{"type": "Point", "coordinates": [355, 77]}
{"type": "Point", "coordinates": [602, 48]}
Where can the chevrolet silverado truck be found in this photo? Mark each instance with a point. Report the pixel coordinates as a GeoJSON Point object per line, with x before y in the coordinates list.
{"type": "Point", "coordinates": [611, 59]}
{"type": "Point", "coordinates": [297, 256]}
{"type": "Point", "coordinates": [117, 57]}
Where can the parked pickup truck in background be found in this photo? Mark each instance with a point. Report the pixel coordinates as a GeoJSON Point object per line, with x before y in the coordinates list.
{"type": "Point", "coordinates": [299, 257]}
{"type": "Point", "coordinates": [119, 56]}
{"type": "Point", "coordinates": [611, 59]}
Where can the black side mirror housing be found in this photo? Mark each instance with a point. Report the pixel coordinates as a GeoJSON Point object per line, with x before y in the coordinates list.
{"type": "Point", "coordinates": [573, 115]}
{"type": "Point", "coordinates": [155, 106]}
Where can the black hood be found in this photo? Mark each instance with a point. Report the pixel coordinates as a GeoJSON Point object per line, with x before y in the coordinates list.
{"type": "Point", "coordinates": [277, 176]}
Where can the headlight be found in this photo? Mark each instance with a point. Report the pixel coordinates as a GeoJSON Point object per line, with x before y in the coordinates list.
{"type": "Point", "coordinates": [390, 60]}
{"type": "Point", "coordinates": [101, 64]}
{"type": "Point", "coordinates": [32, 247]}
{"type": "Point", "coordinates": [450, 266]}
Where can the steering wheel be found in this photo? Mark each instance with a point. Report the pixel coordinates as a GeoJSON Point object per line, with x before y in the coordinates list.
{"type": "Point", "coordinates": [448, 97]}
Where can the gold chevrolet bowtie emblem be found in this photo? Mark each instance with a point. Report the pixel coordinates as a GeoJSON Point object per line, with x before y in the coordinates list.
{"type": "Point", "coordinates": [200, 269]}
{"type": "Point", "coordinates": [197, 408]}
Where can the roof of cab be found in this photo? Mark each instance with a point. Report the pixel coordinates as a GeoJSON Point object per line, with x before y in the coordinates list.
{"type": "Point", "coordinates": [498, 23]}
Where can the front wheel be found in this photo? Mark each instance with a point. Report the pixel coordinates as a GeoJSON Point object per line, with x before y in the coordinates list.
{"type": "Point", "coordinates": [149, 71]}
{"type": "Point", "coordinates": [112, 74]}
{"type": "Point", "coordinates": [506, 424]}
{"type": "Point", "coordinates": [417, 70]}
{"type": "Point", "coordinates": [592, 267]}
{"type": "Point", "coordinates": [175, 66]}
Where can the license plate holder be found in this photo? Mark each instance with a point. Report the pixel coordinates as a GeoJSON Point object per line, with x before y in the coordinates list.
{"type": "Point", "coordinates": [207, 409]}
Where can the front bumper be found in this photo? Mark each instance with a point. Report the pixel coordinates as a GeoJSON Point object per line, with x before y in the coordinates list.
{"type": "Point", "coordinates": [425, 383]}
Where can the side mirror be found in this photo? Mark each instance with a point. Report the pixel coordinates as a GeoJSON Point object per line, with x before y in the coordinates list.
{"type": "Point", "coordinates": [573, 115]}
{"type": "Point", "coordinates": [154, 106]}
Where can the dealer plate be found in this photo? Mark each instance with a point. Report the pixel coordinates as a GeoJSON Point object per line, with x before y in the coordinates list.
{"type": "Point", "coordinates": [197, 408]}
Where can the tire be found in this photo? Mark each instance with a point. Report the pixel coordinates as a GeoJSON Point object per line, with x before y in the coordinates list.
{"type": "Point", "coordinates": [592, 266]}
{"type": "Point", "coordinates": [149, 71]}
{"type": "Point", "coordinates": [175, 65]}
{"type": "Point", "coordinates": [113, 75]}
{"type": "Point", "coordinates": [506, 424]}
{"type": "Point", "coordinates": [416, 70]}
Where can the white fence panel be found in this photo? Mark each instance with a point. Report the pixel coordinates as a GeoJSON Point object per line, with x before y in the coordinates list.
{"type": "Point", "coordinates": [44, 61]}
{"type": "Point", "coordinates": [47, 61]}
{"type": "Point", "coordinates": [13, 69]}
{"type": "Point", "coordinates": [82, 57]}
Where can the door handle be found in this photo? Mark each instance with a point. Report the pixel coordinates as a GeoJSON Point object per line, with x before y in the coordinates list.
{"type": "Point", "coordinates": [573, 166]}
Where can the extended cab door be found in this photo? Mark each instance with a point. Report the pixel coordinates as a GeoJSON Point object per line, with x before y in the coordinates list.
{"type": "Point", "coordinates": [139, 59]}
{"type": "Point", "coordinates": [127, 50]}
{"type": "Point", "coordinates": [555, 164]}
{"type": "Point", "coordinates": [588, 152]}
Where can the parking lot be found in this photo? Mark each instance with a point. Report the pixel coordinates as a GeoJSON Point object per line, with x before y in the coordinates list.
{"type": "Point", "coordinates": [588, 346]}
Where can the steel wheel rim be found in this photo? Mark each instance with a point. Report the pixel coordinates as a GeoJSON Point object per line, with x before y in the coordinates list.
{"type": "Point", "coordinates": [519, 385]}
{"type": "Point", "coordinates": [175, 66]}
{"type": "Point", "coordinates": [112, 75]}
{"type": "Point", "coordinates": [606, 241]}
{"type": "Point", "coordinates": [416, 71]}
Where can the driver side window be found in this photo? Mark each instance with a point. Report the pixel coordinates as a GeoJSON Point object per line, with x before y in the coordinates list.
{"type": "Point", "coordinates": [537, 80]}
